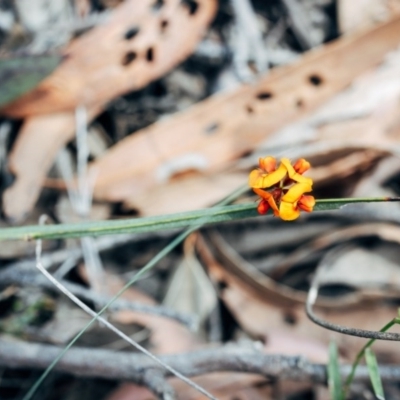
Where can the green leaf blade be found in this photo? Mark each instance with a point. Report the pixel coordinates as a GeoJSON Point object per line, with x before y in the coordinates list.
{"type": "Point", "coordinates": [374, 375]}
{"type": "Point", "coordinates": [334, 379]}
{"type": "Point", "coordinates": [160, 222]}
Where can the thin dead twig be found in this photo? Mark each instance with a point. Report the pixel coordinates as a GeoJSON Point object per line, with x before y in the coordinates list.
{"type": "Point", "coordinates": [312, 298]}
{"type": "Point", "coordinates": [103, 243]}
{"type": "Point", "coordinates": [26, 276]}
{"type": "Point", "coordinates": [98, 317]}
{"type": "Point", "coordinates": [134, 367]}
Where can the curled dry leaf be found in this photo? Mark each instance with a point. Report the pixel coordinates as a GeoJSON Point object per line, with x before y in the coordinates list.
{"type": "Point", "coordinates": [139, 43]}
{"type": "Point", "coordinates": [224, 127]}
{"type": "Point", "coordinates": [265, 308]}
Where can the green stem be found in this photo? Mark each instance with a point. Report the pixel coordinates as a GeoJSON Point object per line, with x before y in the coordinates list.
{"type": "Point", "coordinates": [361, 353]}
{"type": "Point", "coordinates": [161, 222]}
{"type": "Point", "coordinates": [159, 256]}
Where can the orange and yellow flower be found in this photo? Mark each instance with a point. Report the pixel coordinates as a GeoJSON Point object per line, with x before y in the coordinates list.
{"type": "Point", "coordinates": [286, 185]}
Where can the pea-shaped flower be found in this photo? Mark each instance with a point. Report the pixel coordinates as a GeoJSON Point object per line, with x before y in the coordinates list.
{"type": "Point", "coordinates": [286, 187]}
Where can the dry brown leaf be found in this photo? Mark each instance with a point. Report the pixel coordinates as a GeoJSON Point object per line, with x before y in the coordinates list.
{"type": "Point", "coordinates": [129, 391]}
{"type": "Point", "coordinates": [140, 42]}
{"type": "Point", "coordinates": [263, 313]}
{"type": "Point", "coordinates": [189, 289]}
{"type": "Point", "coordinates": [343, 139]}
{"type": "Point", "coordinates": [137, 45]}
{"type": "Point", "coordinates": [358, 14]}
{"type": "Point", "coordinates": [222, 385]}
{"type": "Point", "coordinates": [215, 132]}
{"type": "Point", "coordinates": [225, 386]}
{"type": "Point", "coordinates": [384, 231]}
{"type": "Point", "coordinates": [37, 145]}
{"type": "Point", "coordinates": [375, 270]}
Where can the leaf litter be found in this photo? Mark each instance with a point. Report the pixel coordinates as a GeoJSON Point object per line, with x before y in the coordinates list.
{"type": "Point", "coordinates": [176, 144]}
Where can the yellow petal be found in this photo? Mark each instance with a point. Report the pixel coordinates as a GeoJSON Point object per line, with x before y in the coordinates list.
{"type": "Point", "coordinates": [288, 211]}
{"type": "Point", "coordinates": [259, 179]}
{"type": "Point", "coordinates": [274, 177]}
{"type": "Point", "coordinates": [296, 191]}
{"type": "Point", "coordinates": [255, 178]}
{"type": "Point", "coordinates": [293, 174]}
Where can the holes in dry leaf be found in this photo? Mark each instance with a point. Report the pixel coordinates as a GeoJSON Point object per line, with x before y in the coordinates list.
{"type": "Point", "coordinates": [212, 128]}
{"type": "Point", "coordinates": [40, 93]}
{"type": "Point", "coordinates": [249, 109]}
{"type": "Point", "coordinates": [265, 95]}
{"type": "Point", "coordinates": [191, 5]}
{"type": "Point", "coordinates": [157, 5]}
{"type": "Point", "coordinates": [299, 103]}
{"type": "Point", "coordinates": [131, 32]}
{"type": "Point", "coordinates": [163, 25]}
{"type": "Point", "coordinates": [129, 57]}
{"type": "Point", "coordinates": [315, 80]}
{"type": "Point", "coordinates": [150, 54]}
{"type": "Point", "coordinates": [290, 318]}
{"type": "Point", "coordinates": [222, 285]}
{"type": "Point", "coordinates": [246, 153]}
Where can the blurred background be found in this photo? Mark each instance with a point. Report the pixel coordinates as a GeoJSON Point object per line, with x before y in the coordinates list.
{"type": "Point", "coordinates": [116, 109]}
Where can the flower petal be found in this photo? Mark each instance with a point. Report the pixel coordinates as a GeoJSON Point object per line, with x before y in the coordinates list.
{"type": "Point", "coordinates": [306, 203]}
{"type": "Point", "coordinates": [255, 178]}
{"type": "Point", "coordinates": [288, 211]}
{"type": "Point", "coordinates": [274, 177]}
{"type": "Point", "coordinates": [296, 191]}
{"type": "Point", "coordinates": [301, 166]}
{"type": "Point", "coordinates": [268, 164]}
{"type": "Point", "coordinates": [293, 174]}
{"type": "Point", "coordinates": [269, 199]}
{"type": "Point", "coordinates": [263, 207]}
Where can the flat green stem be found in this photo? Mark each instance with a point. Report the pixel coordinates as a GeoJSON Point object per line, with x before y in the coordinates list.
{"type": "Point", "coordinates": [171, 221]}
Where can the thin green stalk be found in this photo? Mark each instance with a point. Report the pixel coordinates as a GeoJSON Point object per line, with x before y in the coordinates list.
{"type": "Point", "coordinates": [161, 222]}
{"type": "Point", "coordinates": [193, 219]}
{"type": "Point", "coordinates": [373, 369]}
{"type": "Point", "coordinates": [361, 354]}
{"type": "Point", "coordinates": [146, 268]}
{"type": "Point", "coordinates": [334, 379]}
{"type": "Point", "coordinates": [158, 257]}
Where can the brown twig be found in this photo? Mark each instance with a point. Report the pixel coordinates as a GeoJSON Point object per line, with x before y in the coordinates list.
{"type": "Point", "coordinates": [24, 276]}
{"type": "Point", "coordinates": [134, 367]}
{"type": "Point", "coordinates": [312, 298]}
